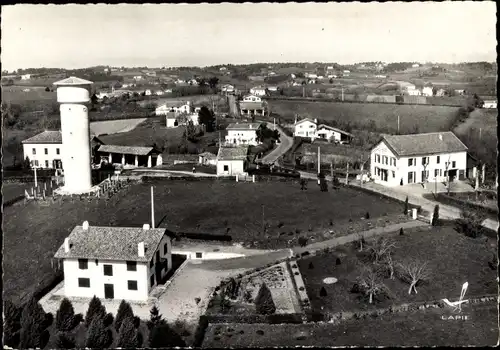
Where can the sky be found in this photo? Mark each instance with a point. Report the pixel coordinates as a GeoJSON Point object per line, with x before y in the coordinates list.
{"type": "Point", "coordinates": [77, 36]}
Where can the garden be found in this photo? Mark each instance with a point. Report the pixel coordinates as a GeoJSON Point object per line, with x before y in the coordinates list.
{"type": "Point", "coordinates": [271, 214]}
{"type": "Point", "coordinates": [423, 264]}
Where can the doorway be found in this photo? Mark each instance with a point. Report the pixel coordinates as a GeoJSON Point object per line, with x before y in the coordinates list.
{"type": "Point", "coordinates": [452, 175]}
{"type": "Point", "coordinates": [411, 177]}
{"type": "Point", "coordinates": [109, 291]}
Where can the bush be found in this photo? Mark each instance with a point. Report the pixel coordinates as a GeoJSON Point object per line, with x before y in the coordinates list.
{"type": "Point", "coordinates": [305, 253]}
{"type": "Point", "coordinates": [163, 336]}
{"type": "Point", "coordinates": [337, 261]}
{"type": "Point", "coordinates": [124, 312]}
{"type": "Point", "coordinates": [401, 232]}
{"type": "Point", "coordinates": [435, 216]}
{"type": "Point", "coordinates": [367, 215]}
{"type": "Point", "coordinates": [98, 336]}
{"type": "Point", "coordinates": [470, 224]}
{"type": "Point", "coordinates": [264, 302]}
{"type": "Point", "coordinates": [322, 292]}
{"type": "Point", "coordinates": [11, 324]}
{"type": "Point", "coordinates": [311, 266]}
{"type": "Point", "coordinates": [108, 320]}
{"type": "Point", "coordinates": [302, 241]}
{"type": "Point", "coordinates": [65, 317]}
{"type": "Point", "coordinates": [65, 341]}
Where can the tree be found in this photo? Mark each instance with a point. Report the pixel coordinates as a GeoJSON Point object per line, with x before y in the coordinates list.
{"type": "Point", "coordinates": [65, 316]}
{"type": "Point", "coordinates": [65, 341]}
{"type": "Point", "coordinates": [361, 241]}
{"type": "Point", "coordinates": [124, 311]}
{"type": "Point", "coordinates": [264, 302]}
{"type": "Point", "coordinates": [96, 309]}
{"type": "Point", "coordinates": [303, 184]}
{"type": "Point", "coordinates": [128, 335]}
{"type": "Point", "coordinates": [155, 317]}
{"type": "Point", "coordinates": [98, 336]}
{"type": "Point", "coordinates": [11, 324]}
{"type": "Point", "coordinates": [435, 216]}
{"type": "Point", "coordinates": [163, 336]}
{"type": "Point", "coordinates": [33, 326]}
{"type": "Point", "coordinates": [371, 284]}
{"type": "Point", "coordinates": [322, 292]}
{"type": "Point", "coordinates": [406, 208]}
{"type": "Point", "coordinates": [212, 82]}
{"type": "Point", "coordinates": [380, 248]}
{"type": "Point", "coordinates": [413, 271]}
{"type": "Point", "coordinates": [206, 117]}
{"type": "Point", "coordinates": [47, 89]}
{"type": "Point", "coordinates": [470, 223]}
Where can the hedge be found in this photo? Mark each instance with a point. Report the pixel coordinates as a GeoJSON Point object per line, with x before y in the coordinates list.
{"type": "Point", "coordinates": [450, 200]}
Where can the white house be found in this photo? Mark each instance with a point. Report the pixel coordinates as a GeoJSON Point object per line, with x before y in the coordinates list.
{"type": "Point", "coordinates": [147, 92]}
{"type": "Point", "coordinates": [406, 159]}
{"type": "Point", "coordinates": [242, 133]}
{"type": "Point", "coordinates": [174, 120]}
{"type": "Point", "coordinates": [137, 77]}
{"type": "Point", "coordinates": [427, 91]}
{"type": "Point", "coordinates": [222, 69]}
{"type": "Point", "coordinates": [26, 77]}
{"type": "Point", "coordinates": [207, 158]}
{"type": "Point", "coordinates": [413, 92]}
{"type": "Point", "coordinates": [232, 161]}
{"type": "Point", "coordinates": [490, 104]}
{"type": "Point", "coordinates": [114, 262]}
{"type": "Point", "coordinates": [272, 88]}
{"type": "Point", "coordinates": [305, 128]}
{"type": "Point", "coordinates": [175, 106]}
{"type": "Point", "coordinates": [227, 88]}
{"type": "Point", "coordinates": [332, 134]}
{"type": "Point", "coordinates": [293, 76]}
{"type": "Point", "coordinates": [252, 98]}
{"type": "Point", "coordinates": [311, 75]}
{"type": "Point", "coordinates": [346, 71]}
{"type": "Point", "coordinates": [257, 91]}
{"type": "Point", "coordinates": [44, 150]}
{"type": "Point", "coordinates": [416, 65]}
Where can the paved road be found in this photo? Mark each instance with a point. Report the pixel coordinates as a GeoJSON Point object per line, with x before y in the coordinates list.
{"type": "Point", "coordinates": [166, 173]}
{"type": "Point", "coordinates": [233, 106]}
{"type": "Point", "coordinates": [445, 211]}
{"type": "Point", "coordinates": [285, 143]}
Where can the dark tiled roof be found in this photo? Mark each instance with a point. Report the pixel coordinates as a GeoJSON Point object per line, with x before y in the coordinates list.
{"type": "Point", "coordinates": [243, 126]}
{"type": "Point", "coordinates": [333, 129]}
{"type": "Point", "coordinates": [47, 136]}
{"type": "Point", "coordinates": [207, 155]}
{"type": "Point", "coordinates": [233, 153]}
{"type": "Point", "coordinates": [422, 144]}
{"type": "Point", "coordinates": [111, 243]}
{"type": "Point", "coordinates": [135, 150]}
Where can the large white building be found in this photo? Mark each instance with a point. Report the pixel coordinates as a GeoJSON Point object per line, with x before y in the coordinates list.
{"type": "Point", "coordinates": [257, 91]}
{"type": "Point", "coordinates": [310, 128]}
{"type": "Point", "coordinates": [232, 161]}
{"type": "Point", "coordinates": [406, 159]}
{"type": "Point", "coordinates": [44, 150]}
{"type": "Point", "coordinates": [114, 262]}
{"type": "Point", "coordinates": [305, 128]}
{"type": "Point", "coordinates": [242, 133]}
{"type": "Point", "coordinates": [176, 107]}
{"type": "Point", "coordinates": [74, 95]}
{"type": "Point", "coordinates": [490, 104]}
{"type": "Point", "coordinates": [427, 91]}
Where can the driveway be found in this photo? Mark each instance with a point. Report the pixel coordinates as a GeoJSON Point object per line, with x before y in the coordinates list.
{"type": "Point", "coordinates": [285, 144]}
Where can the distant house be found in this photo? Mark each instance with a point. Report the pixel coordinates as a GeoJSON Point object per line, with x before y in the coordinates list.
{"type": "Point", "coordinates": [490, 104]}
{"type": "Point", "coordinates": [460, 92]}
{"type": "Point", "coordinates": [311, 75]}
{"type": "Point", "coordinates": [252, 98]}
{"type": "Point", "coordinates": [26, 77]}
{"type": "Point", "coordinates": [147, 92]}
{"type": "Point", "coordinates": [272, 88]}
{"type": "Point", "coordinates": [257, 91]}
{"type": "Point", "coordinates": [159, 92]}
{"type": "Point", "coordinates": [175, 106]}
{"type": "Point", "coordinates": [193, 82]}
{"type": "Point", "coordinates": [222, 69]}
{"type": "Point", "coordinates": [242, 133]}
{"type": "Point", "coordinates": [137, 77]}
{"type": "Point", "coordinates": [232, 161]}
{"type": "Point", "coordinates": [293, 76]}
{"type": "Point", "coordinates": [120, 263]}
{"type": "Point", "coordinates": [44, 150]}
{"type": "Point", "coordinates": [332, 134]}
{"type": "Point", "coordinates": [406, 159]}
{"type": "Point", "coordinates": [346, 71]}
{"type": "Point", "coordinates": [271, 74]}
{"type": "Point", "coordinates": [380, 76]}
{"type": "Point", "coordinates": [227, 88]}
{"type": "Point", "coordinates": [331, 76]}
{"type": "Point", "coordinates": [427, 91]}
{"type": "Point", "coordinates": [441, 92]}
{"type": "Point", "coordinates": [207, 158]}
{"type": "Point", "coordinates": [305, 128]}
{"type": "Point", "coordinates": [416, 65]}
{"type": "Point", "coordinates": [413, 92]}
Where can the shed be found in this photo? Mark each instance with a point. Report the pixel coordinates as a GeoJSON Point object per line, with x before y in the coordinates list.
{"type": "Point", "coordinates": [131, 155]}
{"type": "Point", "coordinates": [207, 158]}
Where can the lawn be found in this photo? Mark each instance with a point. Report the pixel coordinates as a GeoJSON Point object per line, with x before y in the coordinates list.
{"type": "Point", "coordinates": [11, 190]}
{"type": "Point", "coordinates": [385, 116]}
{"type": "Point", "coordinates": [15, 94]}
{"type": "Point", "coordinates": [115, 126]}
{"type": "Point", "coordinates": [189, 167]}
{"type": "Point", "coordinates": [193, 206]}
{"type": "Point", "coordinates": [418, 328]}
{"type": "Point", "coordinates": [452, 259]}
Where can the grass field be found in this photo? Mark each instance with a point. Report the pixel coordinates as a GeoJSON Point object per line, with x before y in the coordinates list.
{"type": "Point", "coordinates": [385, 116]}
{"type": "Point", "coordinates": [115, 126]}
{"type": "Point", "coordinates": [485, 119]}
{"type": "Point", "coordinates": [418, 328]}
{"type": "Point", "coordinates": [452, 258]}
{"type": "Point", "coordinates": [15, 94]}
{"type": "Point", "coordinates": [200, 206]}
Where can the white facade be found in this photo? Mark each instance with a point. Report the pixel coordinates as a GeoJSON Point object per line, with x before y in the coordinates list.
{"type": "Point", "coordinates": [26, 77]}
{"type": "Point", "coordinates": [164, 109]}
{"type": "Point", "coordinates": [252, 98]}
{"type": "Point", "coordinates": [388, 169]}
{"type": "Point", "coordinates": [305, 128]}
{"type": "Point", "coordinates": [415, 65]}
{"type": "Point", "coordinates": [227, 88]}
{"type": "Point", "coordinates": [138, 77]}
{"type": "Point", "coordinates": [147, 92]}
{"type": "Point", "coordinates": [43, 155]}
{"type": "Point", "coordinates": [241, 137]}
{"type": "Point", "coordinates": [490, 104]}
{"type": "Point", "coordinates": [75, 129]}
{"type": "Point", "coordinates": [230, 167]}
{"type": "Point", "coordinates": [414, 92]}
{"type": "Point", "coordinates": [427, 91]}
{"type": "Point", "coordinates": [328, 134]}
{"type": "Point", "coordinates": [94, 275]}
{"type": "Point", "coordinates": [258, 91]}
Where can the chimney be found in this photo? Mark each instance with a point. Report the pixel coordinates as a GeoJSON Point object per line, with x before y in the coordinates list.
{"type": "Point", "coordinates": [85, 225]}
{"type": "Point", "coordinates": [441, 137]}
{"type": "Point", "coordinates": [66, 245]}
{"type": "Point", "coordinates": [140, 249]}
{"type": "Point", "coordinates": [145, 227]}
{"type": "Point", "coordinates": [315, 121]}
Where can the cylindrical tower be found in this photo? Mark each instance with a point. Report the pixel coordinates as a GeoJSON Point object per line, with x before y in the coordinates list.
{"type": "Point", "coordinates": [74, 94]}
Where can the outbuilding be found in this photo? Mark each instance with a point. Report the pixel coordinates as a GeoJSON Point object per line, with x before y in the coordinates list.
{"type": "Point", "coordinates": [232, 161]}
{"type": "Point", "coordinates": [131, 155]}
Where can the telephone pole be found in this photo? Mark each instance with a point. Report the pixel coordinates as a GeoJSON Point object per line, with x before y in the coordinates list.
{"type": "Point", "coordinates": [398, 124]}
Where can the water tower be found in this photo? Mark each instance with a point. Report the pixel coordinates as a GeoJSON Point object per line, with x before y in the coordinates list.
{"type": "Point", "coordinates": [74, 94]}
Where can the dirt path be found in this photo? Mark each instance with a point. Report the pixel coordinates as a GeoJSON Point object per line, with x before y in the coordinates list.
{"type": "Point", "coordinates": [285, 143]}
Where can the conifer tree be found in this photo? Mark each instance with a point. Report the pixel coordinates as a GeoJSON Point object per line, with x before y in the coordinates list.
{"type": "Point", "coordinates": [65, 341]}
{"type": "Point", "coordinates": [33, 326]}
{"type": "Point", "coordinates": [11, 324]}
{"type": "Point", "coordinates": [124, 311]}
{"type": "Point", "coordinates": [95, 309]}
{"type": "Point", "coordinates": [163, 336]}
{"type": "Point", "coordinates": [155, 317]}
{"type": "Point", "coordinates": [97, 334]}
{"type": "Point", "coordinates": [128, 337]}
{"type": "Point", "coordinates": [65, 316]}
{"type": "Point", "coordinates": [264, 302]}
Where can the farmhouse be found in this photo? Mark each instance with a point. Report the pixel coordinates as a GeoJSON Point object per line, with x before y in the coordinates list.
{"type": "Point", "coordinates": [427, 91]}
{"type": "Point", "coordinates": [490, 104]}
{"type": "Point", "coordinates": [407, 159]}
{"type": "Point", "coordinates": [114, 262]}
{"type": "Point", "coordinates": [416, 65]}
{"type": "Point", "coordinates": [26, 77]}
{"type": "Point", "coordinates": [305, 128]}
{"type": "Point", "coordinates": [227, 88]}
{"type": "Point", "coordinates": [174, 106]}
{"type": "Point", "coordinates": [332, 134]}
{"type": "Point", "coordinates": [412, 91]}
{"type": "Point", "coordinates": [232, 161]}
{"type": "Point", "coordinates": [257, 91]}
{"type": "Point", "coordinates": [242, 133]}
{"type": "Point", "coordinates": [130, 155]}
{"type": "Point", "coordinates": [207, 158]}
{"type": "Point", "coordinates": [137, 77]}
{"type": "Point", "coordinates": [252, 105]}
{"type": "Point", "coordinates": [44, 149]}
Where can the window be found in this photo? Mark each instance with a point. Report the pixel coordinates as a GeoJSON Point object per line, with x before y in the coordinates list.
{"type": "Point", "coordinates": [84, 282]}
{"type": "Point", "coordinates": [165, 249]}
{"type": "Point", "coordinates": [377, 158]}
{"type": "Point", "coordinates": [410, 162]}
{"type": "Point", "coordinates": [46, 163]}
{"type": "Point", "coordinates": [393, 174]}
{"type": "Point", "coordinates": [108, 270]}
{"type": "Point", "coordinates": [83, 264]}
{"type": "Point", "coordinates": [226, 167]}
{"type": "Point", "coordinates": [386, 160]}
{"type": "Point", "coordinates": [132, 285]}
{"type": "Point", "coordinates": [152, 262]}
{"type": "Point", "coordinates": [46, 150]}
{"type": "Point", "coordinates": [33, 151]}
{"type": "Point", "coordinates": [436, 172]}
{"type": "Point", "coordinates": [425, 160]}
{"type": "Point", "coordinates": [438, 159]}
{"type": "Point", "coordinates": [58, 151]}
{"type": "Point", "coordinates": [198, 255]}
{"type": "Point", "coordinates": [453, 164]}
{"type": "Point", "coordinates": [131, 266]}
